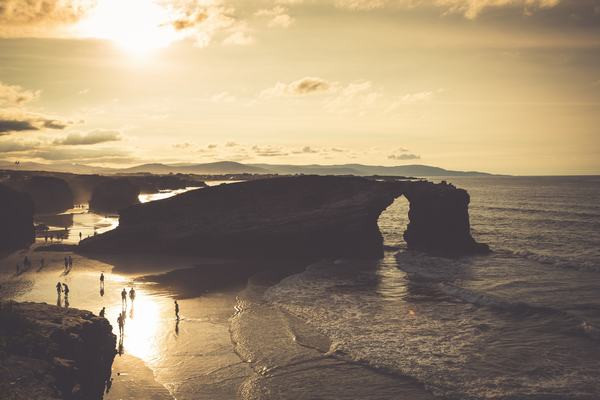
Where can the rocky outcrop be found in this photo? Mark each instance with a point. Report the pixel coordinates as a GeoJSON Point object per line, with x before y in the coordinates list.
{"type": "Point", "coordinates": [49, 352]}
{"type": "Point", "coordinates": [16, 216]}
{"type": "Point", "coordinates": [113, 195]}
{"type": "Point", "coordinates": [301, 217]}
{"type": "Point", "coordinates": [439, 220]}
{"type": "Point", "coordinates": [49, 194]}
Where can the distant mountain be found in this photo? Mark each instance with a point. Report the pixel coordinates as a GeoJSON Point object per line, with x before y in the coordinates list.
{"type": "Point", "coordinates": [221, 167]}
{"type": "Point", "coordinates": [231, 167]}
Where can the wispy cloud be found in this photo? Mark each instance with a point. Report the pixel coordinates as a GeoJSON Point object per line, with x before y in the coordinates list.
{"type": "Point", "coordinates": [90, 138]}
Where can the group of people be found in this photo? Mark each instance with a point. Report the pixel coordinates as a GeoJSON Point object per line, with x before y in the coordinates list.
{"type": "Point", "coordinates": [27, 265]}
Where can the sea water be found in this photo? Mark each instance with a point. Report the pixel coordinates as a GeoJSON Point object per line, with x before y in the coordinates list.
{"type": "Point", "coordinates": [521, 323]}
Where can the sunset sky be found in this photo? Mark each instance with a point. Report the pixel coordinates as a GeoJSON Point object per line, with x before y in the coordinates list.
{"type": "Point", "coordinates": [503, 86]}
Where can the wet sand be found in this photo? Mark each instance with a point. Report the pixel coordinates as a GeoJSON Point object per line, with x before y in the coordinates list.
{"type": "Point", "coordinates": [188, 359]}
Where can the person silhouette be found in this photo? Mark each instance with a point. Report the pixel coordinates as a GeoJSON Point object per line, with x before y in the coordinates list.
{"type": "Point", "coordinates": [101, 314]}
{"type": "Point", "coordinates": [101, 292]}
{"type": "Point", "coordinates": [176, 310]}
{"type": "Point", "coordinates": [102, 280]}
{"type": "Point", "coordinates": [120, 323]}
{"type": "Point", "coordinates": [70, 262]}
{"type": "Point", "coordinates": [124, 297]}
{"type": "Point", "coordinates": [58, 288]}
{"type": "Point", "coordinates": [80, 235]}
{"type": "Point", "coordinates": [132, 294]}
{"type": "Point", "coordinates": [66, 290]}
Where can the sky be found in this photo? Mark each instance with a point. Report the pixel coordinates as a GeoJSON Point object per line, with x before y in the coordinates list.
{"type": "Point", "coordinates": [502, 86]}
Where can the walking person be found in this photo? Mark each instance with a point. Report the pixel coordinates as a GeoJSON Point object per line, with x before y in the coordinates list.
{"type": "Point", "coordinates": [120, 322]}
{"type": "Point", "coordinates": [58, 288]}
{"type": "Point", "coordinates": [124, 297]}
{"type": "Point", "coordinates": [80, 236]}
{"type": "Point", "coordinates": [132, 294]}
{"type": "Point", "coordinates": [176, 310]}
{"type": "Point", "coordinates": [66, 290]}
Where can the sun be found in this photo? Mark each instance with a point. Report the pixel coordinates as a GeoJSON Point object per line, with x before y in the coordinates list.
{"type": "Point", "coordinates": [136, 26]}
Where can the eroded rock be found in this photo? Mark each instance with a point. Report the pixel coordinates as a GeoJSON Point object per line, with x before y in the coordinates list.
{"type": "Point", "coordinates": [16, 216]}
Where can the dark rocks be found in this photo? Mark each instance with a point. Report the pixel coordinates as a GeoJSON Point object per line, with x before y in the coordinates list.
{"type": "Point", "coordinates": [49, 194]}
{"type": "Point", "coordinates": [16, 219]}
{"type": "Point", "coordinates": [307, 217]}
{"type": "Point", "coordinates": [113, 195]}
{"type": "Point", "coordinates": [71, 352]}
{"type": "Point", "coordinates": [439, 221]}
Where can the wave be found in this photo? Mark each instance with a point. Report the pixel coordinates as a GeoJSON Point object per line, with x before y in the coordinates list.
{"type": "Point", "coordinates": [563, 262]}
{"type": "Point", "coordinates": [558, 320]}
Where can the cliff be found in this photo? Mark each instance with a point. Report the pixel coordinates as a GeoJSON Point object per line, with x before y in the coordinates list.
{"type": "Point", "coordinates": [16, 214]}
{"type": "Point", "coordinates": [49, 194]}
{"type": "Point", "coordinates": [47, 352]}
{"type": "Point", "coordinates": [293, 217]}
{"type": "Point", "coordinates": [113, 195]}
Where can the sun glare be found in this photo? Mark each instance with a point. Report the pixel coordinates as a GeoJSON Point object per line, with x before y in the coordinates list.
{"type": "Point", "coordinates": [136, 26]}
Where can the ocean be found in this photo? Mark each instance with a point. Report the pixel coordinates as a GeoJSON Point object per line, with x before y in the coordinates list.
{"type": "Point", "coordinates": [521, 323]}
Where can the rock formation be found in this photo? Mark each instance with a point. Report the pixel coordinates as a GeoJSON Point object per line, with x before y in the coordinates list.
{"type": "Point", "coordinates": [49, 194]}
{"type": "Point", "coordinates": [16, 216]}
{"type": "Point", "coordinates": [113, 195]}
{"type": "Point", "coordinates": [53, 353]}
{"type": "Point", "coordinates": [294, 217]}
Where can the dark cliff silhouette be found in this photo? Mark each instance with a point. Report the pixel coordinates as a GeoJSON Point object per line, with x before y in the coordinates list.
{"type": "Point", "coordinates": [113, 195]}
{"type": "Point", "coordinates": [16, 219]}
{"type": "Point", "coordinates": [301, 217]}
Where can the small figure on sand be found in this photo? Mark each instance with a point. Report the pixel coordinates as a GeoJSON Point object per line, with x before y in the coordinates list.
{"type": "Point", "coordinates": [176, 310]}
{"type": "Point", "coordinates": [80, 235]}
{"type": "Point", "coordinates": [58, 288]}
{"type": "Point", "coordinates": [124, 297]}
{"type": "Point", "coordinates": [132, 294]}
{"type": "Point", "coordinates": [70, 259]}
{"type": "Point", "coordinates": [102, 312]}
{"type": "Point", "coordinates": [66, 290]}
{"type": "Point", "coordinates": [102, 280]}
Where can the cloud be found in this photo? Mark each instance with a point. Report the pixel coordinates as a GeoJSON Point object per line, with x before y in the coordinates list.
{"type": "Point", "coordinates": [81, 155]}
{"type": "Point", "coordinates": [403, 157]}
{"type": "Point", "coordinates": [14, 146]}
{"type": "Point", "coordinates": [305, 150]}
{"type": "Point", "coordinates": [472, 8]}
{"type": "Point", "coordinates": [93, 137]}
{"type": "Point", "coordinates": [212, 146]}
{"type": "Point", "coordinates": [18, 121]}
{"type": "Point", "coordinates": [182, 146]}
{"type": "Point", "coordinates": [278, 17]}
{"type": "Point", "coordinates": [223, 97]}
{"type": "Point", "coordinates": [14, 95]}
{"type": "Point", "coordinates": [304, 86]}
{"type": "Point", "coordinates": [231, 144]}
{"type": "Point", "coordinates": [268, 151]}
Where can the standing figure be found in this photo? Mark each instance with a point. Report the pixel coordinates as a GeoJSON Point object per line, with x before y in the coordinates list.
{"type": "Point", "coordinates": [66, 290]}
{"type": "Point", "coordinates": [70, 262]}
{"type": "Point", "coordinates": [101, 280]}
{"type": "Point", "coordinates": [124, 297]}
{"type": "Point", "coordinates": [101, 314]}
{"type": "Point", "coordinates": [132, 294]}
{"type": "Point", "coordinates": [80, 236]}
{"type": "Point", "coordinates": [176, 310]}
{"type": "Point", "coordinates": [58, 288]}
{"type": "Point", "coordinates": [120, 322]}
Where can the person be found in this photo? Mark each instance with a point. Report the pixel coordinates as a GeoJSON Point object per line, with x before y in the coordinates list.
{"type": "Point", "coordinates": [66, 289]}
{"type": "Point", "coordinates": [176, 310]}
{"type": "Point", "coordinates": [70, 262]}
{"type": "Point", "coordinates": [80, 236]}
{"type": "Point", "coordinates": [102, 312]}
{"type": "Point", "coordinates": [58, 288]}
{"type": "Point", "coordinates": [102, 280]}
{"type": "Point", "coordinates": [132, 294]}
{"type": "Point", "coordinates": [120, 322]}
{"type": "Point", "coordinates": [124, 296]}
